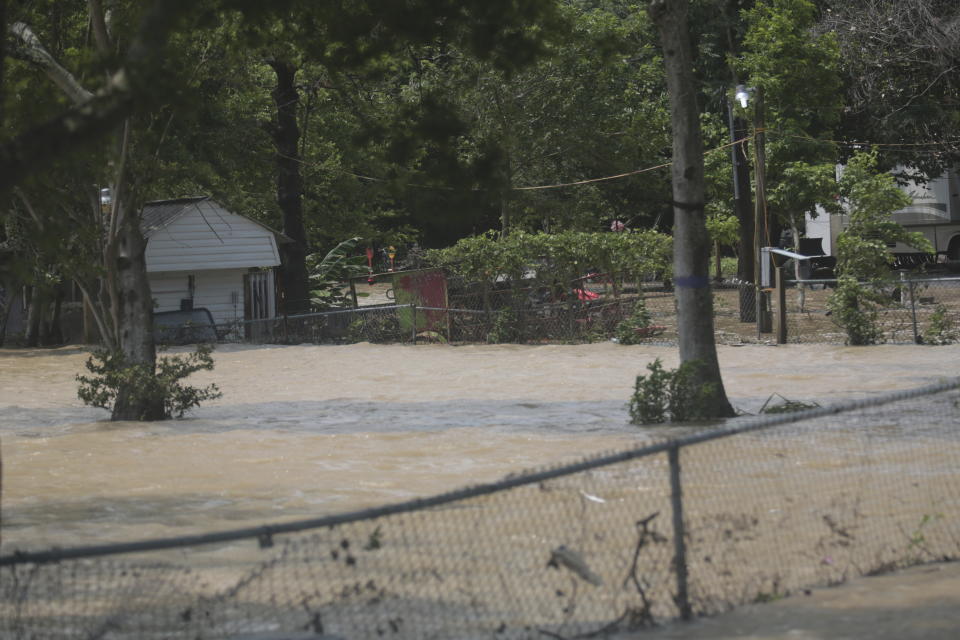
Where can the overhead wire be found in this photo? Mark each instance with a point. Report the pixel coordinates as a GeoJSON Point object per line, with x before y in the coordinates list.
{"type": "Point", "coordinates": [534, 187]}
{"type": "Point", "coordinates": [627, 174]}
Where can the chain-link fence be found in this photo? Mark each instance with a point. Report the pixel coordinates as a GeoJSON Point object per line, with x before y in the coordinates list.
{"type": "Point", "coordinates": [750, 512]}
{"type": "Point", "coordinates": [380, 323]}
{"type": "Point", "coordinates": [913, 310]}
{"type": "Point", "coordinates": [591, 309]}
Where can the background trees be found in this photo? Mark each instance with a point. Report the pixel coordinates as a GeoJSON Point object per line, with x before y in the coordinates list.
{"type": "Point", "coordinates": [901, 70]}
{"type": "Point", "coordinates": [431, 120]}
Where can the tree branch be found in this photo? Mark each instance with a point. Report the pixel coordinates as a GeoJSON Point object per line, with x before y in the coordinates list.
{"type": "Point", "coordinates": [94, 115]}
{"type": "Point", "coordinates": [64, 133]}
{"type": "Point", "coordinates": [32, 50]}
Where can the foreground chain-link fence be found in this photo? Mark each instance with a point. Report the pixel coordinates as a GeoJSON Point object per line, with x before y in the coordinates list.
{"type": "Point", "coordinates": [914, 310]}
{"type": "Point", "coordinates": [749, 512]}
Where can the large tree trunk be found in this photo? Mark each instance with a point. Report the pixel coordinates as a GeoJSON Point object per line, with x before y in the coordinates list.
{"type": "Point", "coordinates": [691, 243]}
{"type": "Point", "coordinates": [34, 322]}
{"type": "Point", "coordinates": [286, 138]}
{"type": "Point", "coordinates": [132, 311]}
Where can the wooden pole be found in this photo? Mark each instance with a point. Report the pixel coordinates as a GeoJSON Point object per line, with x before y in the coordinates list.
{"type": "Point", "coordinates": [760, 211]}
{"type": "Point", "coordinates": [353, 292]}
{"type": "Point", "coordinates": [781, 308]}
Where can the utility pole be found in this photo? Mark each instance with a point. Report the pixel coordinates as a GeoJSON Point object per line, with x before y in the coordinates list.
{"type": "Point", "coordinates": [760, 211]}
{"type": "Point", "coordinates": [743, 209]}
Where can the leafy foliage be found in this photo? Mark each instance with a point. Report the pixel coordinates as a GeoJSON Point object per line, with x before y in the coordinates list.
{"type": "Point", "coordinates": [798, 71]}
{"type": "Point", "coordinates": [675, 395]}
{"type": "Point", "coordinates": [863, 260]}
{"type": "Point", "coordinates": [856, 308]}
{"type": "Point", "coordinates": [506, 327]}
{"type": "Point", "coordinates": [630, 330]}
{"type": "Point", "coordinates": [650, 401]}
{"type": "Point", "coordinates": [901, 85]}
{"type": "Point", "coordinates": [566, 255]}
{"type": "Point", "coordinates": [941, 328]}
{"type": "Point", "coordinates": [111, 373]}
{"type": "Point", "coordinates": [328, 274]}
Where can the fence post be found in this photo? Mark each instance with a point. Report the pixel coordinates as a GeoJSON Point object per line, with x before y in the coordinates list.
{"type": "Point", "coordinates": [781, 307]}
{"type": "Point", "coordinates": [913, 311]}
{"type": "Point", "coordinates": [413, 318]}
{"type": "Point", "coordinates": [353, 293]}
{"type": "Point", "coordinates": [679, 534]}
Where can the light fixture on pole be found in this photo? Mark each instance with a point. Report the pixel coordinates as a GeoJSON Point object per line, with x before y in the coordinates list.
{"type": "Point", "coordinates": [106, 200]}
{"type": "Point", "coordinates": [742, 94]}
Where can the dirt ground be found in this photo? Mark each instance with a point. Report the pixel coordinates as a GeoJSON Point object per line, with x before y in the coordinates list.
{"type": "Point", "coordinates": [870, 608]}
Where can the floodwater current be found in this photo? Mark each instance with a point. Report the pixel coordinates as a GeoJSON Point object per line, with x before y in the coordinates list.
{"type": "Point", "coordinates": [303, 431]}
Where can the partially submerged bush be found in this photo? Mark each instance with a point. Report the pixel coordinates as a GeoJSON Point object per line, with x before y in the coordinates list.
{"type": "Point", "coordinates": [677, 395]}
{"type": "Point", "coordinates": [855, 306]}
{"type": "Point", "coordinates": [863, 260]}
{"type": "Point", "coordinates": [941, 328]}
{"type": "Point", "coordinates": [633, 329]}
{"type": "Point", "coordinates": [144, 387]}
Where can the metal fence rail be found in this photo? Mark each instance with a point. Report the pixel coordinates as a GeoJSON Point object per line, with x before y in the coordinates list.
{"type": "Point", "coordinates": [918, 310]}
{"type": "Point", "coordinates": [685, 527]}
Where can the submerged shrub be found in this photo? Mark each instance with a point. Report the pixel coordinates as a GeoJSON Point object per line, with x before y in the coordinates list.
{"type": "Point", "coordinates": [143, 386]}
{"type": "Point", "coordinates": [941, 328]}
{"type": "Point", "coordinates": [630, 329]}
{"type": "Point", "coordinates": [677, 395]}
{"type": "Point", "coordinates": [856, 308]}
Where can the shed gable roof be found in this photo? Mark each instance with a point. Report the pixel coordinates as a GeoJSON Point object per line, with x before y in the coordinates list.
{"type": "Point", "coordinates": [158, 214]}
{"type": "Point", "coordinates": [190, 234]}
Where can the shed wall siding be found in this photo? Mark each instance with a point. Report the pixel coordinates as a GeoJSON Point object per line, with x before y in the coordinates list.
{"type": "Point", "coordinates": [220, 291]}
{"type": "Point", "coordinates": [208, 236]}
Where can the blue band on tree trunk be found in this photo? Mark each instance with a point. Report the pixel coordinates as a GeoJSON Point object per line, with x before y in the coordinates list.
{"type": "Point", "coordinates": [692, 282]}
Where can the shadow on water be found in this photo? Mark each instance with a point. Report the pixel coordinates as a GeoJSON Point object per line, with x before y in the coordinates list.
{"type": "Point", "coordinates": [335, 417]}
{"type": "Point", "coordinates": [8, 352]}
{"type": "Point", "coordinates": [342, 417]}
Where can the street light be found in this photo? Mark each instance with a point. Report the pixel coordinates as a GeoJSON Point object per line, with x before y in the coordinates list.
{"type": "Point", "coordinates": [742, 95]}
{"type": "Point", "coordinates": [106, 199]}
{"type": "Point", "coordinates": [742, 206]}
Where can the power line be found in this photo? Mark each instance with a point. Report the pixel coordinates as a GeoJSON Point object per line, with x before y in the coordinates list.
{"type": "Point", "coordinates": [620, 176]}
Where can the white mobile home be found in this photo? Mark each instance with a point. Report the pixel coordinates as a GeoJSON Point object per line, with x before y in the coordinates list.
{"type": "Point", "coordinates": [200, 255]}
{"type": "Point", "coordinates": [935, 212]}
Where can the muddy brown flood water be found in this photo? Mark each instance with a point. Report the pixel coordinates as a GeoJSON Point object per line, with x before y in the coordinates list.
{"type": "Point", "coordinates": [303, 431]}
{"type": "Point", "coordinates": [309, 430]}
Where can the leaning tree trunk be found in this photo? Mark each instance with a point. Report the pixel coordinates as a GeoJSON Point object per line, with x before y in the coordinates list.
{"type": "Point", "coordinates": [691, 243]}
{"type": "Point", "coordinates": [132, 311]}
{"type": "Point", "coordinates": [286, 139]}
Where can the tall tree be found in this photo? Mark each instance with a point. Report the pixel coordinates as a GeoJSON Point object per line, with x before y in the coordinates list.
{"type": "Point", "coordinates": [126, 307]}
{"type": "Point", "coordinates": [797, 69]}
{"type": "Point", "coordinates": [369, 38]}
{"type": "Point", "coordinates": [901, 64]}
{"type": "Point", "coordinates": [691, 243]}
{"type": "Point", "coordinates": [285, 131]}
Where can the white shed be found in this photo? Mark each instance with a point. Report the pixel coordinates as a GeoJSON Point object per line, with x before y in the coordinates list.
{"type": "Point", "coordinates": [201, 255]}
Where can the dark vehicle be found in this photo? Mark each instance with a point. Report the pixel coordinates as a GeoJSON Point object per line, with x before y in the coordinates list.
{"type": "Point", "coordinates": [184, 327]}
